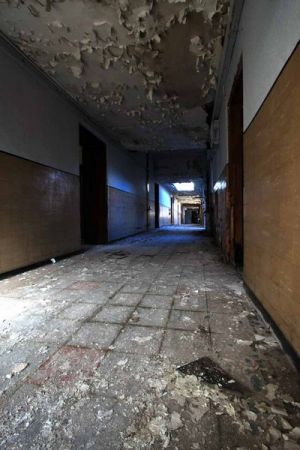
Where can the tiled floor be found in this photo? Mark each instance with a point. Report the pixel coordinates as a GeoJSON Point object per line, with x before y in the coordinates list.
{"type": "Point", "coordinates": [89, 348]}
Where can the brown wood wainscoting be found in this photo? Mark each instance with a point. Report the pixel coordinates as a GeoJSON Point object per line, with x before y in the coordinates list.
{"type": "Point", "coordinates": [272, 202]}
{"type": "Point", "coordinates": [39, 212]}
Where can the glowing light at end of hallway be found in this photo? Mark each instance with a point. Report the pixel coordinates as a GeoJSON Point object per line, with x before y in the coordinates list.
{"type": "Point", "coordinates": [185, 186]}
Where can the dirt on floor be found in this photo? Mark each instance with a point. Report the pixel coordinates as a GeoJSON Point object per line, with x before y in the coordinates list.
{"type": "Point", "coordinates": [148, 343]}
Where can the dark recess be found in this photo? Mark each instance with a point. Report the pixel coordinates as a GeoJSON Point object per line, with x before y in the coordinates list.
{"type": "Point", "coordinates": [236, 170]}
{"type": "Point", "coordinates": [93, 189]}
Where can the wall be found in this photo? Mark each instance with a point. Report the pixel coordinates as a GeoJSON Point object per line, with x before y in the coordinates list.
{"type": "Point", "coordinates": [38, 124]}
{"type": "Point", "coordinates": [267, 35]}
{"type": "Point", "coordinates": [164, 207]}
{"type": "Point", "coordinates": [263, 54]}
{"type": "Point", "coordinates": [272, 202]}
{"type": "Point", "coordinates": [126, 173]}
{"type": "Point", "coordinates": [177, 212]}
{"type": "Point", "coordinates": [151, 197]}
{"type": "Point", "coordinates": [39, 210]}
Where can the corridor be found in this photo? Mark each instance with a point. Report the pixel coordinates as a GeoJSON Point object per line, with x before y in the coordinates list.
{"type": "Point", "coordinates": [90, 346]}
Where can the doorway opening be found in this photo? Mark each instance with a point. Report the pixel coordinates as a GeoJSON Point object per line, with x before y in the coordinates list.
{"type": "Point", "coordinates": [191, 215]}
{"type": "Point", "coordinates": [93, 188]}
{"type": "Point", "coordinates": [236, 170]}
{"type": "Point", "coordinates": [156, 201]}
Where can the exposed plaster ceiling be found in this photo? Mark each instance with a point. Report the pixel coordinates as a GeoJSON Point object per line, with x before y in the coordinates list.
{"type": "Point", "coordinates": [144, 70]}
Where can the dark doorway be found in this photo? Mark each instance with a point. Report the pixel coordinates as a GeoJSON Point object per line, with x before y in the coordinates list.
{"type": "Point", "coordinates": [190, 214]}
{"type": "Point", "coordinates": [156, 200]}
{"type": "Point", "coordinates": [236, 169]}
{"type": "Point", "coordinates": [93, 188]}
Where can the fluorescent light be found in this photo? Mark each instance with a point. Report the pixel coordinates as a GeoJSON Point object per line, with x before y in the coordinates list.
{"type": "Point", "coordinates": [185, 186]}
{"type": "Point", "coordinates": [220, 186]}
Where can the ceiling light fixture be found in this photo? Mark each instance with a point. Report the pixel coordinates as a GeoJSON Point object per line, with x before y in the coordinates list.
{"type": "Point", "coordinates": [185, 186]}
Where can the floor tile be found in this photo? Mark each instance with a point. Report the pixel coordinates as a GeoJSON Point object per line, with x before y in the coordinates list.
{"type": "Point", "coordinates": [57, 330]}
{"type": "Point", "coordinates": [233, 325]}
{"type": "Point", "coordinates": [133, 288]}
{"type": "Point", "coordinates": [126, 299]}
{"type": "Point", "coordinates": [95, 296]}
{"type": "Point", "coordinates": [187, 320]}
{"type": "Point", "coordinates": [83, 285]}
{"type": "Point", "coordinates": [162, 289]}
{"type": "Point", "coordinates": [114, 314]}
{"type": "Point", "coordinates": [157, 301]}
{"type": "Point", "coordinates": [96, 334]}
{"type": "Point", "coordinates": [67, 366]}
{"type": "Point", "coordinates": [78, 311]}
{"type": "Point", "coordinates": [150, 317]}
{"type": "Point", "coordinates": [125, 373]}
{"type": "Point", "coordinates": [21, 360]}
{"type": "Point", "coordinates": [136, 339]}
{"type": "Point", "coordinates": [190, 302]}
{"type": "Point", "coordinates": [182, 347]}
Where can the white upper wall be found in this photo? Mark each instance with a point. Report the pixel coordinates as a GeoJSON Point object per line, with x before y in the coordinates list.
{"type": "Point", "coordinates": [271, 32]}
{"type": "Point", "coordinates": [268, 33]}
{"type": "Point", "coordinates": [164, 197]}
{"type": "Point", "coordinates": [40, 124]}
{"type": "Point", "coordinates": [36, 122]}
{"type": "Point", "coordinates": [126, 171]}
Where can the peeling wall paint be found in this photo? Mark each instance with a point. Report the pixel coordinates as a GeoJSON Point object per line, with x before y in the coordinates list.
{"type": "Point", "coordinates": [142, 69]}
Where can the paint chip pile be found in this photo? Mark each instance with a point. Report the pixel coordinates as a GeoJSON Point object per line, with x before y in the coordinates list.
{"type": "Point", "coordinates": [193, 399]}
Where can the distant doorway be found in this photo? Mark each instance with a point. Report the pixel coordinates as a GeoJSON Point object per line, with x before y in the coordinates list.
{"type": "Point", "coordinates": [190, 215]}
{"type": "Point", "coordinates": [236, 170]}
{"type": "Point", "coordinates": [93, 188]}
{"type": "Point", "coordinates": [156, 200]}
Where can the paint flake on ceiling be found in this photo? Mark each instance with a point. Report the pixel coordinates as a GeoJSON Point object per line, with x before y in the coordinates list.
{"type": "Point", "coordinates": [144, 70]}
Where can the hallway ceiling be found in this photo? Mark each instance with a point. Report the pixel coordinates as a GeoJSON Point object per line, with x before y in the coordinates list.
{"type": "Point", "coordinates": [144, 70]}
{"type": "Point", "coordinates": [180, 167]}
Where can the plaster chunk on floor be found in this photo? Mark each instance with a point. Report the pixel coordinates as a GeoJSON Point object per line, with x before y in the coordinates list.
{"type": "Point", "coordinates": [77, 71]}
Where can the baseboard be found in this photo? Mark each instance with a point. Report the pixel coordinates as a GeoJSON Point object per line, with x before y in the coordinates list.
{"type": "Point", "coordinates": [36, 265]}
{"type": "Point", "coordinates": [286, 345]}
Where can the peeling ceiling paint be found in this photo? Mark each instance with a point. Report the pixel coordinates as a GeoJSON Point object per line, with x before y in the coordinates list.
{"type": "Point", "coordinates": [144, 70]}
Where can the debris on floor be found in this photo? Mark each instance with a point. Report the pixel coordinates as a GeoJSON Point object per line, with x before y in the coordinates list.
{"type": "Point", "coordinates": [19, 368]}
{"type": "Point", "coordinates": [117, 350]}
{"type": "Point", "coordinates": [182, 400]}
